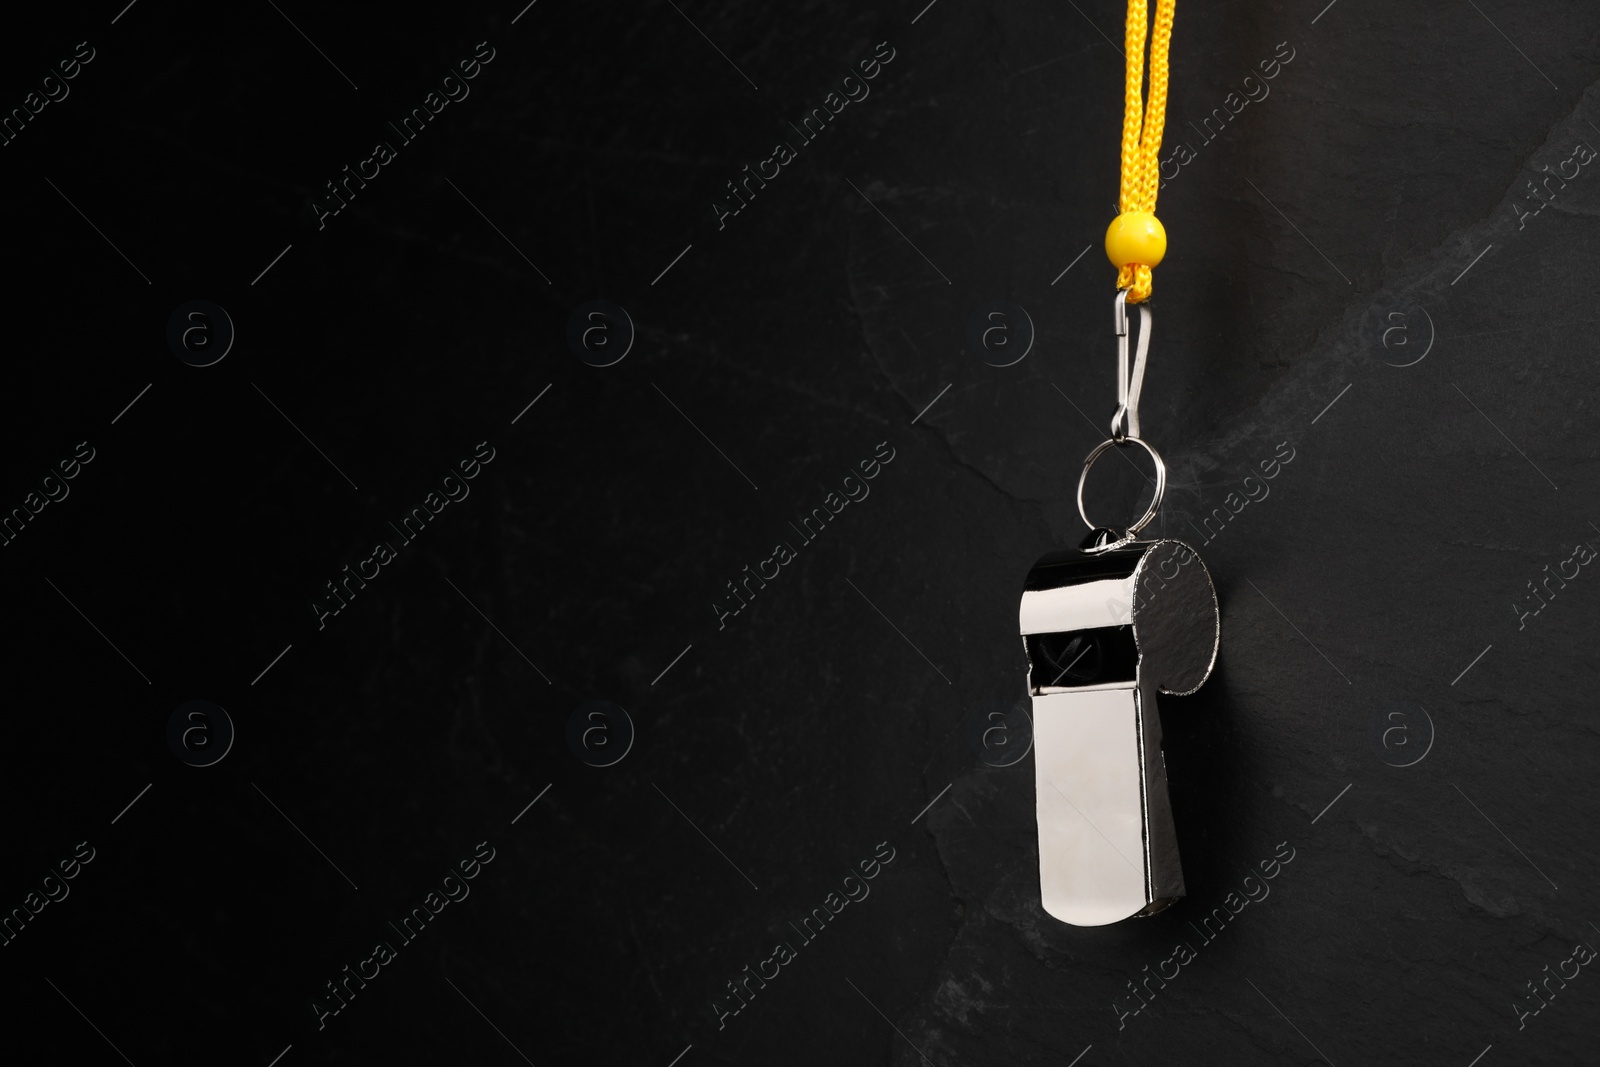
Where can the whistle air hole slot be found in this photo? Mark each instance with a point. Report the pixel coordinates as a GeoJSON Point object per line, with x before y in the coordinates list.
{"type": "Point", "coordinates": [1076, 658]}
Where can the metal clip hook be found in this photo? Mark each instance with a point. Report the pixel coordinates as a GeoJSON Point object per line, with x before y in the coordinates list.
{"type": "Point", "coordinates": [1125, 423]}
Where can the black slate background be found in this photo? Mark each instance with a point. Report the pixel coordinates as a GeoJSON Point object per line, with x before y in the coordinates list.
{"type": "Point", "coordinates": [1387, 160]}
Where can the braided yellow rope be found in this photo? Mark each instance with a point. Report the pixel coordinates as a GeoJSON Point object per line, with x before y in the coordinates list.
{"type": "Point", "coordinates": [1142, 122]}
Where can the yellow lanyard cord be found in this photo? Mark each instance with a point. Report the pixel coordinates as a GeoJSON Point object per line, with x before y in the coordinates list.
{"type": "Point", "coordinates": [1136, 242]}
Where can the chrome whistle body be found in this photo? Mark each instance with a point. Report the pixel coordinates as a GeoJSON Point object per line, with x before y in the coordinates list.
{"type": "Point", "coordinates": [1105, 629]}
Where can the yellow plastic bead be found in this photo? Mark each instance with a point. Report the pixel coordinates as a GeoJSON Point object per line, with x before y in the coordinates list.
{"type": "Point", "coordinates": [1135, 237]}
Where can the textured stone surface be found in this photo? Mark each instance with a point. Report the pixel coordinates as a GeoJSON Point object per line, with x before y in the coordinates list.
{"type": "Point", "coordinates": [1376, 193]}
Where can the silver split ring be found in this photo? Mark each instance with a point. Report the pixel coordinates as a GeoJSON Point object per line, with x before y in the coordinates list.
{"type": "Point", "coordinates": [1155, 501]}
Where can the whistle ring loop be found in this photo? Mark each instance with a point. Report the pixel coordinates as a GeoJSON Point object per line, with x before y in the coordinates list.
{"type": "Point", "coordinates": [1155, 500]}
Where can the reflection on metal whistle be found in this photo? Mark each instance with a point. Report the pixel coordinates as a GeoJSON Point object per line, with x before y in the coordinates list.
{"type": "Point", "coordinates": [1104, 633]}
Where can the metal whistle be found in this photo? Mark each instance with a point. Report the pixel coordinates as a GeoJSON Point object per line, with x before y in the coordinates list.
{"type": "Point", "coordinates": [1105, 629]}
